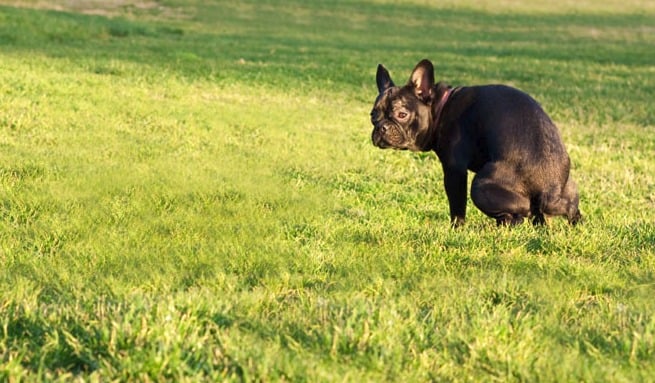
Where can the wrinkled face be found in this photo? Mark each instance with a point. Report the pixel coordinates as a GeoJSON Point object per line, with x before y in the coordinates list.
{"type": "Point", "coordinates": [400, 120]}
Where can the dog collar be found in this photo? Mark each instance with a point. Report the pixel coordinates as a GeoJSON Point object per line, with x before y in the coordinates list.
{"type": "Point", "coordinates": [441, 104]}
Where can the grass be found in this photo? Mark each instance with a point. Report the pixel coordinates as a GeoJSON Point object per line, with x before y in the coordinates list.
{"type": "Point", "coordinates": [188, 192]}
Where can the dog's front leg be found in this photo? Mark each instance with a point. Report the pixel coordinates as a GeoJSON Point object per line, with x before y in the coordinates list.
{"type": "Point", "coordinates": [455, 183]}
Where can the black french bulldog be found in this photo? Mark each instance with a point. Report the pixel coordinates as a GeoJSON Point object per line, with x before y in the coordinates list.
{"type": "Point", "coordinates": [498, 132]}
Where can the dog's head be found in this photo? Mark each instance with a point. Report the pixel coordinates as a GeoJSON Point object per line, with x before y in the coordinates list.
{"type": "Point", "coordinates": [402, 116]}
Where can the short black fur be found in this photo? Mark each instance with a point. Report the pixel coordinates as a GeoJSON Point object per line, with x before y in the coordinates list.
{"type": "Point", "coordinates": [498, 132]}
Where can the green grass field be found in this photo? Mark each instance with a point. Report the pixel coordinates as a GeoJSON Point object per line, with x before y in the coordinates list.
{"type": "Point", "coordinates": [189, 192]}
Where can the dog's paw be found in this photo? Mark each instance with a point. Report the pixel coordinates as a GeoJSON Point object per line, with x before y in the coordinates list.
{"type": "Point", "coordinates": [456, 222]}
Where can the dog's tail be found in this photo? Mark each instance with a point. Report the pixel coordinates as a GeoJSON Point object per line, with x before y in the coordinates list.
{"type": "Point", "coordinates": [563, 202]}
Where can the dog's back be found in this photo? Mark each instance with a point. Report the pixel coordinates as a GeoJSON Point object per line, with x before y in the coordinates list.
{"type": "Point", "coordinates": [509, 138]}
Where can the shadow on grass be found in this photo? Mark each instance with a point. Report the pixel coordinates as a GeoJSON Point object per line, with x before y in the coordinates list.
{"type": "Point", "coordinates": [287, 44]}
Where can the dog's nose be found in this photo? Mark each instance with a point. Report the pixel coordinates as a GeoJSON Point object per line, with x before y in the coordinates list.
{"type": "Point", "coordinates": [376, 137]}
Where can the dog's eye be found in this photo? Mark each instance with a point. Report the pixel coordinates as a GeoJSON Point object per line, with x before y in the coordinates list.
{"type": "Point", "coordinates": [401, 115]}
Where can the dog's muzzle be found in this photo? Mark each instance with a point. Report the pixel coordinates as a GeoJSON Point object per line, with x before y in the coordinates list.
{"type": "Point", "coordinates": [378, 137]}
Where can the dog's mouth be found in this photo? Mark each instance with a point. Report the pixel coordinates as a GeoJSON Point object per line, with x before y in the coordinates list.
{"type": "Point", "coordinates": [379, 141]}
{"type": "Point", "coordinates": [389, 136]}
{"type": "Point", "coordinates": [380, 138]}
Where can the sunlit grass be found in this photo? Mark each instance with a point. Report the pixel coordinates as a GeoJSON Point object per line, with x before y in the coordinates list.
{"type": "Point", "coordinates": [189, 192]}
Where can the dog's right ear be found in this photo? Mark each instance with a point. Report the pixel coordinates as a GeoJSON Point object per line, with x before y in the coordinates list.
{"type": "Point", "coordinates": [423, 80]}
{"type": "Point", "coordinates": [383, 79]}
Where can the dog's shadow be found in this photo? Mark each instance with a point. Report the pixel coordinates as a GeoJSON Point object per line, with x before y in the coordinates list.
{"type": "Point", "coordinates": [634, 238]}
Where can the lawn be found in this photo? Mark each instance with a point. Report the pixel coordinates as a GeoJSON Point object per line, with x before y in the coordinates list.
{"type": "Point", "coordinates": [188, 192]}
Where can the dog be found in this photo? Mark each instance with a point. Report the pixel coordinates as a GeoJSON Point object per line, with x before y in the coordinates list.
{"type": "Point", "coordinates": [498, 132]}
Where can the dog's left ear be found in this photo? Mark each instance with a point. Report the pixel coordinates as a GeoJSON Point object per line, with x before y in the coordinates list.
{"type": "Point", "coordinates": [383, 79]}
{"type": "Point", "coordinates": [423, 80]}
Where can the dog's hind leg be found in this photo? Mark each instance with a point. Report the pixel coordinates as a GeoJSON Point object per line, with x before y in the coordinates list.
{"type": "Point", "coordinates": [538, 218]}
{"type": "Point", "coordinates": [496, 193]}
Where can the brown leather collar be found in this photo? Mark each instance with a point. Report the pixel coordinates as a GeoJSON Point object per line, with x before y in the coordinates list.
{"type": "Point", "coordinates": [442, 102]}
